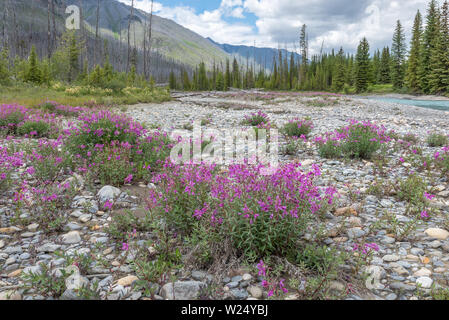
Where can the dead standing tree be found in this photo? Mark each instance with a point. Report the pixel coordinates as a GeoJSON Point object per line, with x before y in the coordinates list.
{"type": "Point", "coordinates": [96, 34]}
{"type": "Point", "coordinates": [129, 35]}
{"type": "Point", "coordinates": [147, 56]}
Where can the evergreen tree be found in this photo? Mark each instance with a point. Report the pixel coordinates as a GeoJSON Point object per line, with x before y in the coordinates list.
{"type": "Point", "coordinates": [220, 82]}
{"type": "Point", "coordinates": [45, 72]}
{"type": "Point", "coordinates": [33, 73]}
{"type": "Point", "coordinates": [203, 83]}
{"type": "Point", "coordinates": [339, 80]}
{"type": "Point", "coordinates": [5, 74]}
{"type": "Point", "coordinates": [385, 66]}
{"type": "Point", "coordinates": [430, 37]}
{"type": "Point", "coordinates": [362, 66]}
{"type": "Point", "coordinates": [236, 82]}
{"type": "Point", "coordinates": [172, 81]}
{"type": "Point", "coordinates": [376, 67]}
{"type": "Point", "coordinates": [74, 53]}
{"type": "Point", "coordinates": [398, 51]}
{"type": "Point", "coordinates": [228, 80]}
{"type": "Point", "coordinates": [439, 78]}
{"type": "Point", "coordinates": [415, 54]}
{"type": "Point", "coordinates": [185, 80]}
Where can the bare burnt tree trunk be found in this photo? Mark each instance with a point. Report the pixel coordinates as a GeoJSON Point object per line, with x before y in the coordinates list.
{"type": "Point", "coordinates": [145, 68]}
{"type": "Point", "coordinates": [4, 33]}
{"type": "Point", "coordinates": [15, 32]}
{"type": "Point", "coordinates": [129, 33]}
{"type": "Point", "coordinates": [54, 21]}
{"type": "Point", "coordinates": [82, 29]}
{"type": "Point", "coordinates": [120, 48]}
{"type": "Point", "coordinates": [48, 30]}
{"type": "Point", "coordinates": [96, 33]}
{"type": "Point", "coordinates": [150, 34]}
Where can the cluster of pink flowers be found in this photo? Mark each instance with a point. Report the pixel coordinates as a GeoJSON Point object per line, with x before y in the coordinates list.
{"type": "Point", "coordinates": [345, 134]}
{"type": "Point", "coordinates": [9, 162]}
{"type": "Point", "coordinates": [366, 248]}
{"type": "Point", "coordinates": [442, 159]}
{"type": "Point", "coordinates": [258, 119]}
{"type": "Point", "coordinates": [241, 190]}
{"type": "Point", "coordinates": [273, 286]}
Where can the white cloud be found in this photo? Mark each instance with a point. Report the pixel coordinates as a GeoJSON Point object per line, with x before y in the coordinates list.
{"type": "Point", "coordinates": [335, 23]}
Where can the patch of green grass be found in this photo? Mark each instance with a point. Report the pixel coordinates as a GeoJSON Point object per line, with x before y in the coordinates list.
{"type": "Point", "coordinates": [28, 95]}
{"type": "Point", "coordinates": [437, 140]}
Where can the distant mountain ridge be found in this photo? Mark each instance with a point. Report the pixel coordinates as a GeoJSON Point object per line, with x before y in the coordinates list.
{"type": "Point", "coordinates": [262, 56]}
{"type": "Point", "coordinates": [169, 38]}
{"type": "Point", "coordinates": [173, 46]}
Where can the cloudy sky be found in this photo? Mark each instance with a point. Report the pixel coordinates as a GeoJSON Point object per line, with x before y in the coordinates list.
{"type": "Point", "coordinates": [274, 23]}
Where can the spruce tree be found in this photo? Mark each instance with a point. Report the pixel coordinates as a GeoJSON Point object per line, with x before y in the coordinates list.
{"type": "Point", "coordinates": [172, 80]}
{"type": "Point", "coordinates": [439, 78]}
{"type": "Point", "coordinates": [228, 80]}
{"type": "Point", "coordinates": [362, 66]}
{"type": "Point", "coordinates": [220, 82]}
{"type": "Point", "coordinates": [74, 53]}
{"type": "Point", "coordinates": [339, 80]}
{"type": "Point", "coordinates": [398, 51]}
{"type": "Point", "coordinates": [236, 81]}
{"type": "Point", "coordinates": [185, 80]}
{"type": "Point", "coordinates": [412, 79]}
{"type": "Point", "coordinates": [5, 74]}
{"type": "Point", "coordinates": [385, 66]}
{"type": "Point", "coordinates": [202, 78]}
{"type": "Point", "coordinates": [430, 37]}
{"type": "Point", "coordinates": [33, 73]}
{"type": "Point", "coordinates": [376, 67]}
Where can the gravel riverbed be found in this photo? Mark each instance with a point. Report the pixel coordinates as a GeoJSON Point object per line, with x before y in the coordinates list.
{"type": "Point", "coordinates": [406, 266]}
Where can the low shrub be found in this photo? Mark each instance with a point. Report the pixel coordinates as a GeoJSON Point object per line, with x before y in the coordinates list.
{"type": "Point", "coordinates": [260, 215]}
{"type": "Point", "coordinates": [297, 128]}
{"type": "Point", "coordinates": [358, 140]}
{"type": "Point", "coordinates": [9, 163]}
{"type": "Point", "coordinates": [256, 119]}
{"type": "Point", "coordinates": [437, 140]}
{"type": "Point", "coordinates": [37, 129]}
{"type": "Point", "coordinates": [442, 160]}
{"type": "Point", "coordinates": [412, 190]}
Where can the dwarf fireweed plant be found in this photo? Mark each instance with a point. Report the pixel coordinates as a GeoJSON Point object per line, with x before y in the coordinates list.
{"type": "Point", "coordinates": [260, 215]}
{"type": "Point", "coordinates": [442, 160]}
{"type": "Point", "coordinates": [358, 140]}
{"type": "Point", "coordinates": [47, 160]}
{"type": "Point", "coordinates": [9, 163]}
{"type": "Point", "coordinates": [258, 119]}
{"type": "Point", "coordinates": [112, 147]}
{"type": "Point", "coordinates": [101, 128]}
{"type": "Point", "coordinates": [275, 286]}
{"type": "Point", "coordinates": [297, 128]}
{"type": "Point", "coordinates": [19, 120]}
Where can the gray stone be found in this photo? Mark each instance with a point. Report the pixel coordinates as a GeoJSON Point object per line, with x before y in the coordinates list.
{"type": "Point", "coordinates": [355, 233]}
{"type": "Point", "coordinates": [11, 250]}
{"type": "Point", "coordinates": [70, 295]}
{"type": "Point", "coordinates": [48, 247]}
{"type": "Point", "coordinates": [199, 275]}
{"type": "Point", "coordinates": [232, 284]}
{"type": "Point", "coordinates": [255, 292]}
{"type": "Point", "coordinates": [71, 237]}
{"type": "Point", "coordinates": [424, 282]}
{"type": "Point", "coordinates": [182, 290]}
{"type": "Point", "coordinates": [239, 294]}
{"type": "Point", "coordinates": [391, 258]}
{"type": "Point", "coordinates": [108, 193]}
{"type": "Point", "coordinates": [402, 286]}
{"type": "Point", "coordinates": [391, 296]}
